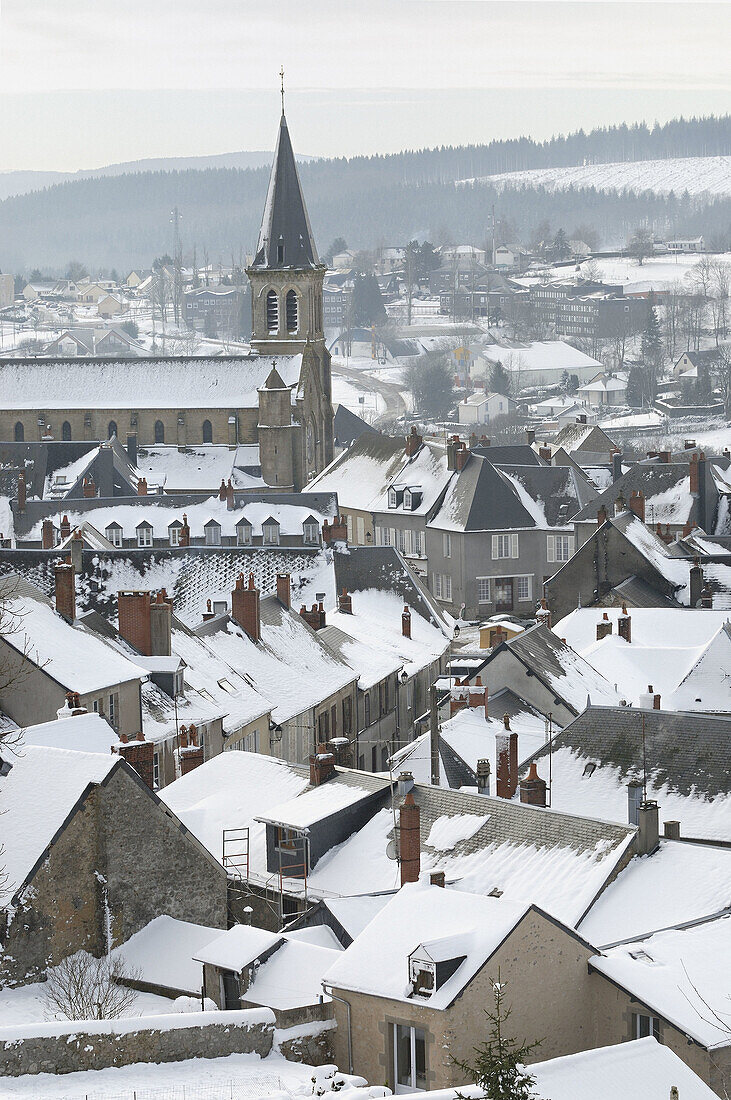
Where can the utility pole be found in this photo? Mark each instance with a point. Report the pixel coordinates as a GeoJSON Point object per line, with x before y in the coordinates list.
{"type": "Point", "coordinates": [177, 264]}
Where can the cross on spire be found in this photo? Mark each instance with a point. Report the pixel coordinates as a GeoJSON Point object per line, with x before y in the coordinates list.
{"type": "Point", "coordinates": [281, 77]}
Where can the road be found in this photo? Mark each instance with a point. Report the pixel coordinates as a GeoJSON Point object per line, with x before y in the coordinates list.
{"type": "Point", "coordinates": [389, 391]}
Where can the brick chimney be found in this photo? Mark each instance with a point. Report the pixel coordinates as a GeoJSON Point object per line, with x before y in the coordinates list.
{"type": "Point", "coordinates": [530, 436]}
{"type": "Point", "coordinates": [413, 442]}
{"type": "Point", "coordinates": [48, 536]}
{"type": "Point", "coordinates": [694, 480]}
{"type": "Point", "coordinates": [208, 614]}
{"type": "Point", "coordinates": [637, 504]}
{"type": "Point", "coordinates": [604, 627]}
{"type": "Point", "coordinates": [477, 697]}
{"type": "Point", "coordinates": [533, 788]}
{"type": "Point", "coordinates": [322, 766]}
{"type": "Point", "coordinates": [22, 491]}
{"type": "Point", "coordinates": [601, 516]}
{"type": "Point", "coordinates": [507, 764]}
{"type": "Point", "coordinates": [337, 531]}
{"type": "Point", "coordinates": [345, 602]}
{"type": "Point", "coordinates": [624, 625]}
{"type": "Point", "coordinates": [222, 490]}
{"type": "Point", "coordinates": [141, 486]}
{"type": "Point", "coordinates": [483, 777]}
{"type": "Point", "coordinates": [616, 465]}
{"type": "Point", "coordinates": [245, 607]}
{"type": "Point", "coordinates": [230, 496]}
{"type": "Point", "coordinates": [64, 528]}
{"type": "Point", "coordinates": [437, 878]}
{"type": "Point", "coordinates": [89, 488]}
{"type": "Point", "coordinates": [461, 458]}
{"type": "Point", "coordinates": [406, 622]}
{"type": "Point", "coordinates": [544, 453]}
{"type": "Point", "coordinates": [665, 535]}
{"type": "Point", "coordinates": [139, 755]}
{"type": "Point", "coordinates": [135, 626]}
{"type": "Point", "coordinates": [409, 840]}
{"type": "Point", "coordinates": [706, 597]}
{"type": "Point", "coordinates": [314, 618]}
{"type": "Point", "coordinates": [161, 625]}
{"type": "Point", "coordinates": [65, 581]}
{"type": "Point", "coordinates": [284, 589]}
{"type": "Point", "coordinates": [459, 696]}
{"type": "Point", "coordinates": [191, 752]}
{"type": "Point", "coordinates": [696, 583]}
{"type": "Point", "coordinates": [184, 535]}
{"type": "Point", "coordinates": [543, 615]}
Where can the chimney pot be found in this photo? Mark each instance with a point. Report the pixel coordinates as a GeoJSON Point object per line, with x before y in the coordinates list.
{"type": "Point", "coordinates": [322, 766]}
{"type": "Point", "coordinates": [406, 622]}
{"type": "Point", "coordinates": [65, 585]}
{"type": "Point", "coordinates": [533, 788]}
{"type": "Point", "coordinates": [672, 830]}
{"type": "Point", "coordinates": [437, 878]}
{"type": "Point", "coordinates": [284, 589]}
{"type": "Point", "coordinates": [345, 602]}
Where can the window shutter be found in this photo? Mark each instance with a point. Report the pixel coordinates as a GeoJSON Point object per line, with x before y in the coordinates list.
{"type": "Point", "coordinates": [571, 545]}
{"type": "Point", "coordinates": [551, 548]}
{"type": "Point", "coordinates": [530, 588]}
{"type": "Point", "coordinates": [495, 551]}
{"type": "Point", "coordinates": [514, 546]}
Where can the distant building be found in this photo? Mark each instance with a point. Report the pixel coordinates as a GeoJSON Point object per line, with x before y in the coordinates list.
{"type": "Point", "coordinates": [7, 290]}
{"type": "Point", "coordinates": [592, 310]}
{"type": "Point", "coordinates": [695, 244]}
{"type": "Point", "coordinates": [221, 304]}
{"type": "Point", "coordinates": [482, 407]}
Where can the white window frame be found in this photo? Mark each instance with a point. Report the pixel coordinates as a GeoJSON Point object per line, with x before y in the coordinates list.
{"type": "Point", "coordinates": [174, 536]}
{"type": "Point", "coordinates": [554, 554]}
{"type": "Point", "coordinates": [156, 771]}
{"type": "Point", "coordinates": [115, 535]}
{"type": "Point", "coordinates": [505, 541]}
{"type": "Point", "coordinates": [443, 587]}
{"type": "Point", "coordinates": [243, 535]}
{"type": "Point", "coordinates": [213, 535]}
{"type": "Point", "coordinates": [417, 544]}
{"type": "Point", "coordinates": [653, 1025]}
{"type": "Point", "coordinates": [392, 498]}
{"type": "Point", "coordinates": [446, 545]}
{"type": "Point", "coordinates": [270, 534]}
{"type": "Point", "coordinates": [144, 536]}
{"type": "Point", "coordinates": [411, 1086]}
{"type": "Point", "coordinates": [527, 582]}
{"type": "Point", "coordinates": [311, 532]}
{"type": "Point", "coordinates": [484, 589]}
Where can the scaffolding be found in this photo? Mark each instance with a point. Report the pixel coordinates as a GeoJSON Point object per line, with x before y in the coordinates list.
{"type": "Point", "coordinates": [236, 859]}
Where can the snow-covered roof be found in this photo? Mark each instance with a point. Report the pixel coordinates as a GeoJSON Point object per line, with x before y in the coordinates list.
{"type": "Point", "coordinates": [237, 948]}
{"type": "Point", "coordinates": [681, 976]}
{"type": "Point", "coordinates": [426, 471]}
{"type": "Point", "coordinates": [354, 913]}
{"type": "Point", "coordinates": [679, 883]}
{"type": "Point", "coordinates": [312, 806]}
{"type": "Point", "coordinates": [203, 466]}
{"type": "Point", "coordinates": [707, 685]}
{"type": "Point", "coordinates": [377, 962]}
{"type": "Point", "coordinates": [361, 474]}
{"type": "Point", "coordinates": [83, 733]}
{"type": "Point", "coordinates": [63, 478]}
{"type": "Point", "coordinates": [163, 951]}
{"type": "Point", "coordinates": [539, 355]}
{"type": "Point", "coordinates": [675, 570]}
{"type": "Point", "coordinates": [180, 383]}
{"type": "Point", "coordinates": [37, 797]}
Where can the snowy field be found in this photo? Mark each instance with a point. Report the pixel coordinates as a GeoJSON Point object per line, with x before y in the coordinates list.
{"type": "Point", "coordinates": [696, 175]}
{"type": "Point", "coordinates": [655, 273]}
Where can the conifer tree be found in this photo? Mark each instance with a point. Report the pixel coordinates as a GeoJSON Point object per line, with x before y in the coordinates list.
{"type": "Point", "coordinates": [498, 1067]}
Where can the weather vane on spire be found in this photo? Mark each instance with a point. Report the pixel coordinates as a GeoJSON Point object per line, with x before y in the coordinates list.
{"type": "Point", "coordinates": [281, 75]}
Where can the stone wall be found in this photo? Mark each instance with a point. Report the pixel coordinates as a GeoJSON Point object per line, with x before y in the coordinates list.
{"type": "Point", "coordinates": [310, 1043]}
{"type": "Point", "coordinates": [74, 1047]}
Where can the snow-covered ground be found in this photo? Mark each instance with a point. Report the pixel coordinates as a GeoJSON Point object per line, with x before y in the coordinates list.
{"type": "Point", "coordinates": [27, 1005]}
{"type": "Point", "coordinates": [696, 175]}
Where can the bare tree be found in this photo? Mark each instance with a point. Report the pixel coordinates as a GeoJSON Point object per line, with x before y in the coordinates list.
{"type": "Point", "coordinates": [721, 375]}
{"type": "Point", "coordinates": [640, 245]}
{"type": "Point", "coordinates": [85, 988]}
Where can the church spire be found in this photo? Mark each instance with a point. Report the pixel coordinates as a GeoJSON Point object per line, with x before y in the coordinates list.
{"type": "Point", "coordinates": [285, 237]}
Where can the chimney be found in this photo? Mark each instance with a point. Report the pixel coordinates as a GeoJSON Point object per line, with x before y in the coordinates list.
{"type": "Point", "coordinates": [702, 517]}
{"type": "Point", "coordinates": [530, 436]}
{"type": "Point", "coordinates": [461, 457]}
{"type": "Point", "coordinates": [637, 504]}
{"type": "Point", "coordinates": [672, 830]}
{"type": "Point", "coordinates": [434, 754]}
{"type": "Point", "coordinates": [696, 583]}
{"type": "Point", "coordinates": [64, 528]}
{"type": "Point", "coordinates": [688, 444]}
{"type": "Point", "coordinates": [406, 622]}
{"type": "Point", "coordinates": [161, 625]}
{"type": "Point", "coordinates": [230, 496]}
{"type": "Point", "coordinates": [132, 448]}
{"type": "Point", "coordinates": [545, 453]}
{"type": "Point", "coordinates": [648, 837]}
{"type": "Point", "coordinates": [498, 636]}
{"type": "Point", "coordinates": [624, 625]}
{"type": "Point", "coordinates": [506, 721]}
{"type": "Point", "coordinates": [477, 698]}
{"type": "Point", "coordinates": [184, 535]}
{"type": "Point", "coordinates": [533, 788]}
{"type": "Point", "coordinates": [543, 615]}
{"type": "Point", "coordinates": [48, 537]}
{"type": "Point", "coordinates": [191, 752]}
{"type": "Point", "coordinates": [284, 589]}
{"type": "Point", "coordinates": [22, 492]}
{"type": "Point", "coordinates": [603, 627]}
{"type": "Point", "coordinates": [483, 776]}
{"type": "Point", "coordinates": [314, 618]}
{"type": "Point", "coordinates": [141, 486]}
{"type": "Point", "coordinates": [72, 706]}
{"type": "Point", "coordinates": [459, 696]}
{"type": "Point", "coordinates": [619, 504]}
{"type": "Point", "coordinates": [694, 474]}
{"type": "Point", "coordinates": [706, 597]}
{"type": "Point", "coordinates": [65, 590]}
{"type": "Point", "coordinates": [634, 801]}
{"type": "Point", "coordinates": [616, 465]}
{"type": "Point", "coordinates": [409, 840]}
{"type": "Point", "coordinates": [76, 546]}
{"type": "Point", "coordinates": [413, 442]}
{"type": "Point", "coordinates": [245, 607]}
{"type": "Point", "coordinates": [322, 766]}
{"type": "Point", "coordinates": [486, 442]}
{"type": "Point", "coordinates": [452, 446]}
{"type": "Point", "coordinates": [208, 614]}
{"type": "Point", "coordinates": [337, 531]}
{"type": "Point", "coordinates": [665, 535]}
{"type": "Point", "coordinates": [89, 488]}
{"type": "Point", "coordinates": [222, 490]}
{"type": "Point", "coordinates": [664, 456]}
{"type": "Point", "coordinates": [345, 602]}
{"type": "Point", "coordinates": [507, 764]}
{"type": "Point", "coordinates": [656, 701]}
{"type": "Point", "coordinates": [139, 755]}
{"type": "Point", "coordinates": [601, 516]}
{"type": "Point", "coordinates": [436, 878]}
{"type": "Point", "coordinates": [135, 626]}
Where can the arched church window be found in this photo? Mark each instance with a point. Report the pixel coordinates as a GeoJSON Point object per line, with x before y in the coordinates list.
{"type": "Point", "coordinates": [159, 431]}
{"type": "Point", "coordinates": [272, 311]}
{"type": "Point", "coordinates": [112, 429]}
{"type": "Point", "coordinates": [207, 432]}
{"type": "Point", "coordinates": [292, 311]}
{"type": "Point", "coordinates": [65, 430]}
{"type": "Point", "coordinates": [19, 432]}
{"type": "Point", "coordinates": [280, 251]}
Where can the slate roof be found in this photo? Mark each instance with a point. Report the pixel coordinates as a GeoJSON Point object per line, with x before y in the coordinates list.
{"type": "Point", "coordinates": [479, 499]}
{"type": "Point", "coordinates": [559, 489]}
{"type": "Point", "coordinates": [687, 752]}
{"type": "Point", "coordinates": [651, 479]}
{"type": "Point", "coordinates": [347, 426]}
{"type": "Point", "coordinates": [521, 454]}
{"type": "Point", "coordinates": [383, 568]}
{"type": "Point", "coordinates": [576, 437]}
{"type": "Point", "coordinates": [285, 219]}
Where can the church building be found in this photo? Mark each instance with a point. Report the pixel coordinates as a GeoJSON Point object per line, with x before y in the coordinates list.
{"type": "Point", "coordinates": [278, 397]}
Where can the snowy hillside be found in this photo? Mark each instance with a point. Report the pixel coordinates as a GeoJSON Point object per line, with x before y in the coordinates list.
{"type": "Point", "coordinates": [696, 175]}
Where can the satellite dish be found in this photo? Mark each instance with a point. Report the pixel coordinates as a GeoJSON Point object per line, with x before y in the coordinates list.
{"type": "Point", "coordinates": [392, 850]}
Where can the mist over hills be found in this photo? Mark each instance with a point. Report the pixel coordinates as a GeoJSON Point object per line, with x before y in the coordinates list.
{"type": "Point", "coordinates": [120, 216]}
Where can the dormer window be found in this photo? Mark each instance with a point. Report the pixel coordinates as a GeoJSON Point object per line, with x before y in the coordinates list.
{"type": "Point", "coordinates": [432, 964]}
{"type": "Point", "coordinates": [412, 498]}
{"type": "Point", "coordinates": [144, 534]}
{"type": "Point", "coordinates": [311, 530]}
{"type": "Point", "coordinates": [395, 496]}
{"type": "Point", "coordinates": [174, 532]}
{"type": "Point", "coordinates": [270, 532]}
{"type": "Point", "coordinates": [114, 534]}
{"type": "Point", "coordinates": [243, 532]}
{"type": "Point", "coordinates": [212, 531]}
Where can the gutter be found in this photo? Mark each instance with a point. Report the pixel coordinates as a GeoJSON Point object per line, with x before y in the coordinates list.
{"type": "Point", "coordinates": [347, 1005]}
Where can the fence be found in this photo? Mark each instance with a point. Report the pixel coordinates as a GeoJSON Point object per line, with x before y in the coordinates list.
{"type": "Point", "coordinates": [256, 1087]}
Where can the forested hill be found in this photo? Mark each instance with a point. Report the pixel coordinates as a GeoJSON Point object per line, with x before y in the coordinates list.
{"type": "Point", "coordinates": [124, 221]}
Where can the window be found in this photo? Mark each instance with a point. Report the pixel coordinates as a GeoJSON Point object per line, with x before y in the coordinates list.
{"type": "Point", "coordinates": [156, 771]}
{"type": "Point", "coordinates": [114, 709]}
{"type": "Point", "coordinates": [272, 311]}
{"type": "Point", "coordinates": [400, 541]}
{"type": "Point", "coordinates": [409, 1058]}
{"type": "Point", "coordinates": [19, 432]}
{"type": "Point", "coordinates": [226, 685]}
{"type": "Point", "coordinates": [207, 432]}
{"type": "Point", "coordinates": [213, 534]}
{"type": "Point", "coordinates": [559, 547]}
{"type": "Point", "coordinates": [159, 431]}
{"type": "Point", "coordinates": [270, 532]}
{"type": "Point", "coordinates": [366, 710]}
{"type": "Point", "coordinates": [360, 530]}
{"type": "Point", "coordinates": [383, 536]}
{"type": "Point", "coordinates": [447, 545]}
{"type": "Point", "coordinates": [417, 544]}
{"type": "Point", "coordinates": [505, 546]}
{"type": "Point", "coordinates": [243, 534]}
{"type": "Point", "coordinates": [174, 536]}
{"type": "Point", "coordinates": [483, 589]}
{"type": "Point", "coordinates": [280, 251]}
{"type": "Point", "coordinates": [292, 311]}
{"type": "Point", "coordinates": [114, 534]}
{"type": "Point", "coordinates": [287, 839]}
{"type": "Point", "coordinates": [144, 535]}
{"type": "Point", "coordinates": [111, 429]}
{"type": "Point", "coordinates": [323, 727]}
{"type": "Point", "coordinates": [66, 430]}
{"type": "Point", "coordinates": [392, 498]}
{"type": "Point", "coordinates": [524, 589]}
{"type": "Point", "coordinates": [443, 586]}
{"type": "Point", "coordinates": [312, 531]}
{"type": "Point", "coordinates": [646, 1026]}
{"type": "Point", "coordinates": [347, 715]}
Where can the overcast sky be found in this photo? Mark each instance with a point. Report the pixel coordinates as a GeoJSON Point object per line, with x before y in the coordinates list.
{"type": "Point", "coordinates": [97, 81]}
